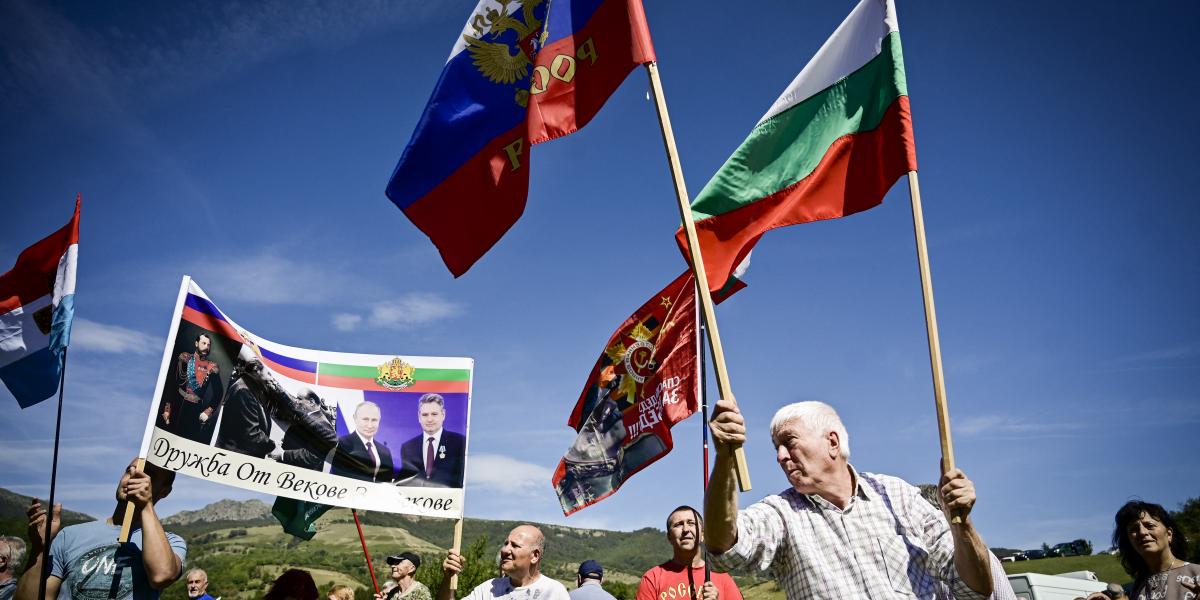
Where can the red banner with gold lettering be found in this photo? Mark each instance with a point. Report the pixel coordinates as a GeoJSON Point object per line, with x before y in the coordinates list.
{"type": "Point", "coordinates": [644, 382]}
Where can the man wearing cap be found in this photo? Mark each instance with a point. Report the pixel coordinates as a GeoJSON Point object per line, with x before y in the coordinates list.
{"type": "Point", "coordinates": [683, 576]}
{"type": "Point", "coordinates": [589, 580]}
{"type": "Point", "coordinates": [404, 584]}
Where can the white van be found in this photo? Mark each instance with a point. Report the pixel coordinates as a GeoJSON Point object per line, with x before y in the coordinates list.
{"type": "Point", "coordinates": [1036, 586]}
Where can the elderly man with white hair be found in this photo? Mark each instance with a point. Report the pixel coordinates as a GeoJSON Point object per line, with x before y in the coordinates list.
{"type": "Point", "coordinates": [197, 584]}
{"type": "Point", "coordinates": [12, 550]}
{"type": "Point", "coordinates": [838, 532]}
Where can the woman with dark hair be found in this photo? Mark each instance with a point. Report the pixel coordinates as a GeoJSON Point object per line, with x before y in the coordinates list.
{"type": "Point", "coordinates": [293, 584]}
{"type": "Point", "coordinates": [1153, 551]}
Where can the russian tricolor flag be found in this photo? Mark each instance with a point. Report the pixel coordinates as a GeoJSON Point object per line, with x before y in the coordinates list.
{"type": "Point", "coordinates": [37, 304]}
{"type": "Point", "coordinates": [521, 72]}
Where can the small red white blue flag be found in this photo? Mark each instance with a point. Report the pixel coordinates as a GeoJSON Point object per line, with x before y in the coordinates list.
{"type": "Point", "coordinates": [37, 304]}
{"type": "Point", "coordinates": [521, 72]}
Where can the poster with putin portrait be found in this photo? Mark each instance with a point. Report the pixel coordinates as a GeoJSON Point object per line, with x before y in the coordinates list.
{"type": "Point", "coordinates": [367, 431]}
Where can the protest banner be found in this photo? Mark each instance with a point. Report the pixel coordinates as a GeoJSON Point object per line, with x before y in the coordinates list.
{"type": "Point", "coordinates": [365, 431]}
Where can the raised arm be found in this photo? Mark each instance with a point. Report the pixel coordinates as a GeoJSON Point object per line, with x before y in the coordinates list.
{"type": "Point", "coordinates": [972, 559]}
{"type": "Point", "coordinates": [721, 502]}
{"type": "Point", "coordinates": [162, 565]}
{"type": "Point", "coordinates": [453, 565]}
{"type": "Point", "coordinates": [27, 585]}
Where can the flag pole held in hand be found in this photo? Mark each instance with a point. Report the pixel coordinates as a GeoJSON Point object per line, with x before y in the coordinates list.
{"type": "Point", "coordinates": [689, 224]}
{"type": "Point", "coordinates": [931, 330]}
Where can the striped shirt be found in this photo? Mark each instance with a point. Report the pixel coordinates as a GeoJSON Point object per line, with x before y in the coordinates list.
{"type": "Point", "coordinates": [888, 542]}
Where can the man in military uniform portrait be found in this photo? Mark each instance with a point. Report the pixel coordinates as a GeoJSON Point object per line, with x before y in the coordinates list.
{"type": "Point", "coordinates": [192, 413]}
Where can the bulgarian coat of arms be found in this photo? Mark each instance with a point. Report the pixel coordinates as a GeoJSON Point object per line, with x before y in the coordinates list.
{"type": "Point", "coordinates": [395, 374]}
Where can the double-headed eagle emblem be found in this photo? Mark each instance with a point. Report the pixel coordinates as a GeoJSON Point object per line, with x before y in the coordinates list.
{"type": "Point", "coordinates": [496, 59]}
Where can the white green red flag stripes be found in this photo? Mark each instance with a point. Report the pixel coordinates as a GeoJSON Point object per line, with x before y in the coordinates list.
{"type": "Point", "coordinates": [832, 145]}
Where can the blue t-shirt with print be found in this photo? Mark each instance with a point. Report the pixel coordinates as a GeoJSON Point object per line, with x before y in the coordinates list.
{"type": "Point", "coordinates": [93, 566]}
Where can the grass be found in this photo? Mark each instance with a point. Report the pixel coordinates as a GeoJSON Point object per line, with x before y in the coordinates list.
{"type": "Point", "coordinates": [1107, 568]}
{"type": "Point", "coordinates": [764, 591]}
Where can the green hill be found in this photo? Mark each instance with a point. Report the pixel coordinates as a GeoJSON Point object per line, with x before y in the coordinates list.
{"type": "Point", "coordinates": [242, 558]}
{"type": "Point", "coordinates": [1107, 568]}
{"type": "Point", "coordinates": [12, 514]}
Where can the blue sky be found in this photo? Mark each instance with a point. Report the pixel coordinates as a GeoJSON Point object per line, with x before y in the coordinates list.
{"type": "Point", "coordinates": [248, 145]}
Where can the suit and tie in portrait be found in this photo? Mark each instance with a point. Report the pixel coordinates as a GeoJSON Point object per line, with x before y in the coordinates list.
{"type": "Point", "coordinates": [436, 457]}
{"type": "Point", "coordinates": [359, 455]}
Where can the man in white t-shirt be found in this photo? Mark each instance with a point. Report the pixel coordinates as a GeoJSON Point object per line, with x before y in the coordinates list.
{"type": "Point", "coordinates": [521, 562]}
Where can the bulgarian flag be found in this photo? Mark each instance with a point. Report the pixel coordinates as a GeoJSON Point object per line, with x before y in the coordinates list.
{"type": "Point", "coordinates": [832, 145]}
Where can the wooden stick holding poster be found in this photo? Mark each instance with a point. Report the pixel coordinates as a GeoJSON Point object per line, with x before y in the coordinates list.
{"type": "Point", "coordinates": [458, 525]}
{"type": "Point", "coordinates": [689, 225]}
{"type": "Point", "coordinates": [457, 548]}
{"type": "Point", "coordinates": [931, 329]}
{"type": "Point", "coordinates": [148, 433]}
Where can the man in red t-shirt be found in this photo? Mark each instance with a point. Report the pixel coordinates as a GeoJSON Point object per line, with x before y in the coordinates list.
{"type": "Point", "coordinates": [682, 577]}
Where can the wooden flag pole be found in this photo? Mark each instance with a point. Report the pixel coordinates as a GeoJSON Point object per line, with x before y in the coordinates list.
{"type": "Point", "coordinates": [689, 226]}
{"type": "Point", "coordinates": [931, 329]}
{"type": "Point", "coordinates": [701, 357]}
{"type": "Point", "coordinates": [458, 525]}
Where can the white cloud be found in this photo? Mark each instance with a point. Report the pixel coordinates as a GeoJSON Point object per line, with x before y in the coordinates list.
{"type": "Point", "coordinates": [268, 277]}
{"type": "Point", "coordinates": [34, 455]}
{"type": "Point", "coordinates": [346, 321]}
{"type": "Point", "coordinates": [408, 311]}
{"type": "Point", "coordinates": [1159, 355]}
{"type": "Point", "coordinates": [413, 309]}
{"type": "Point", "coordinates": [1014, 426]}
{"type": "Point", "coordinates": [504, 475]}
{"type": "Point", "coordinates": [90, 336]}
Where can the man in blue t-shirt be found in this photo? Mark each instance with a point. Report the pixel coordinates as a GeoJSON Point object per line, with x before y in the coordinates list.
{"type": "Point", "coordinates": [87, 563]}
{"type": "Point", "coordinates": [197, 585]}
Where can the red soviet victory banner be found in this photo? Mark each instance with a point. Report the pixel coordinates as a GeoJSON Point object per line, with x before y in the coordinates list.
{"type": "Point", "coordinates": [644, 382]}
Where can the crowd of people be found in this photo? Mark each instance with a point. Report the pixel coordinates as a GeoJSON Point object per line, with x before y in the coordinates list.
{"type": "Point", "coordinates": [837, 532]}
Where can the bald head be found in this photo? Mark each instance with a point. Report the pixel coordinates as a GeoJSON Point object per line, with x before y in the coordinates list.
{"type": "Point", "coordinates": [531, 533]}
{"type": "Point", "coordinates": [521, 555]}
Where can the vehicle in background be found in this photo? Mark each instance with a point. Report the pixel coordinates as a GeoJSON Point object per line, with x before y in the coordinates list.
{"type": "Point", "coordinates": [1036, 586]}
{"type": "Point", "coordinates": [1035, 553]}
{"type": "Point", "coordinates": [1075, 548]}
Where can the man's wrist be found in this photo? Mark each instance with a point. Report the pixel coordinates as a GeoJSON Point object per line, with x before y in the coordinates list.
{"type": "Point", "coordinates": [146, 511]}
{"type": "Point", "coordinates": [964, 528]}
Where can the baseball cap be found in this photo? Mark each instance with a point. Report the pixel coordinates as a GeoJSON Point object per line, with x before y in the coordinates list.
{"type": "Point", "coordinates": [590, 568]}
{"type": "Point", "coordinates": [409, 556]}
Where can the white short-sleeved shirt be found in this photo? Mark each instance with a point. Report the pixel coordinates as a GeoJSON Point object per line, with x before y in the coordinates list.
{"type": "Point", "coordinates": [502, 588]}
{"type": "Point", "coordinates": [888, 542]}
